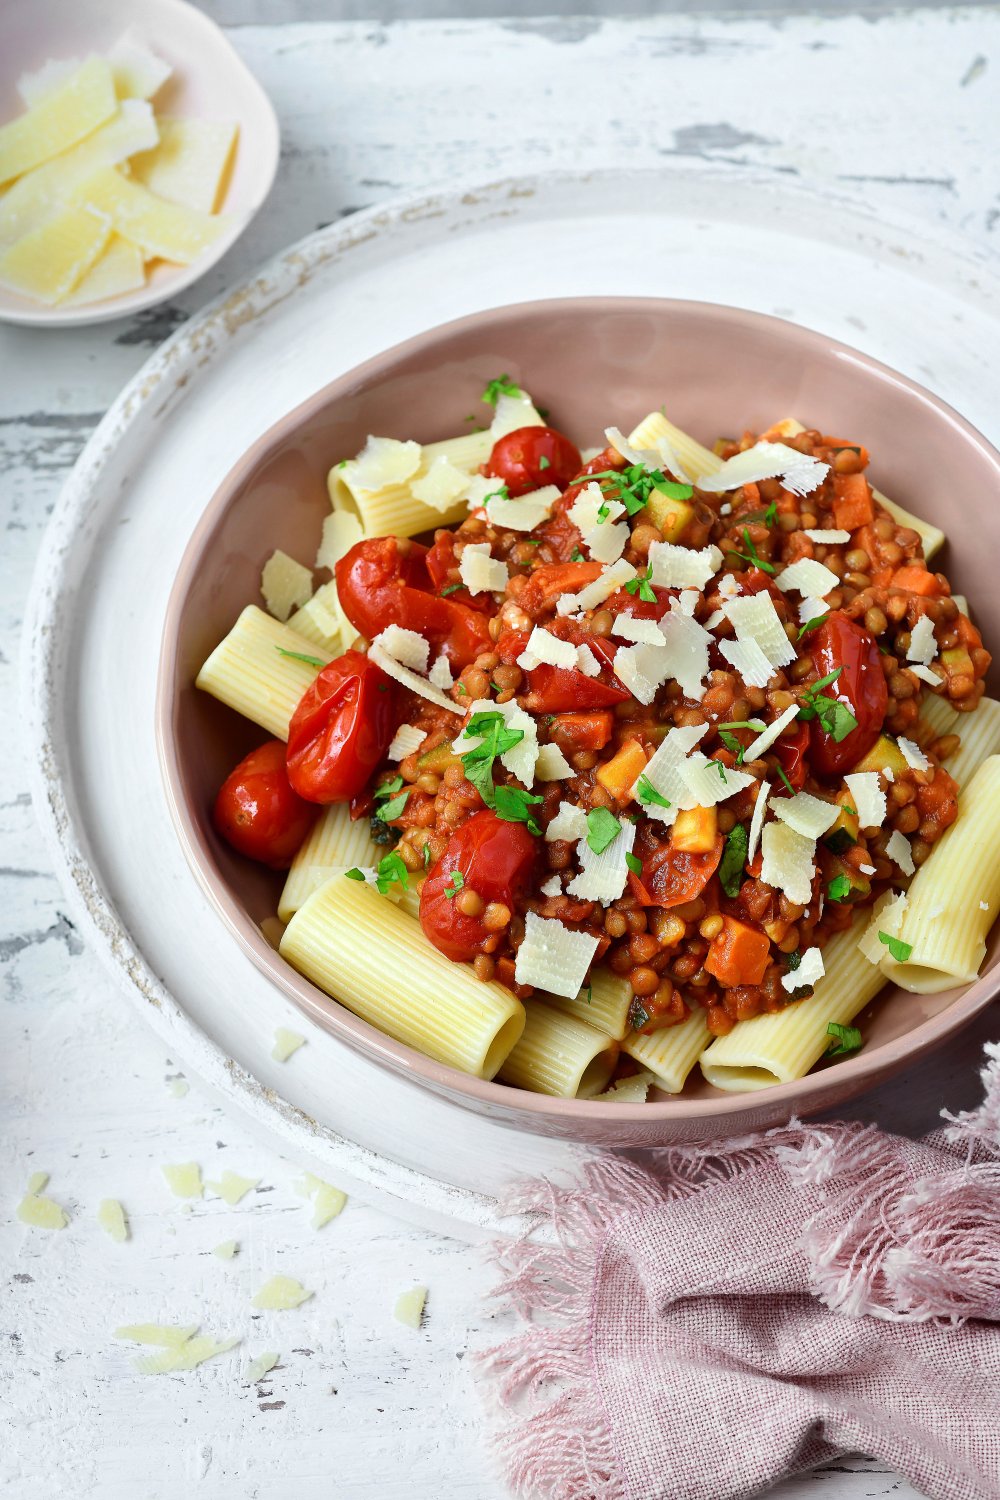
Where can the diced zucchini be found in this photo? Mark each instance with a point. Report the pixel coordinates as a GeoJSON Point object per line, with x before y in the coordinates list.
{"type": "Point", "coordinates": [439, 759]}
{"type": "Point", "coordinates": [844, 831]}
{"type": "Point", "coordinates": [860, 885]}
{"type": "Point", "coordinates": [957, 662]}
{"type": "Point", "coordinates": [668, 516]}
{"type": "Point", "coordinates": [884, 755]}
{"type": "Point", "coordinates": [695, 830]}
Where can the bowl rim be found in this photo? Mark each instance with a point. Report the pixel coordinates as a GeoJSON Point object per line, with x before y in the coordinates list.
{"type": "Point", "coordinates": [109, 309]}
{"type": "Point", "coordinates": [858, 1072]}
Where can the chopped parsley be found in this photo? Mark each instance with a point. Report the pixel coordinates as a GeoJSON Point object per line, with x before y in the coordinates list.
{"type": "Point", "coordinates": [812, 624]}
{"type": "Point", "coordinates": [387, 788]}
{"type": "Point", "coordinates": [839, 888]}
{"type": "Point", "coordinates": [500, 493]}
{"type": "Point", "coordinates": [751, 555]}
{"type": "Point", "coordinates": [451, 588]}
{"type": "Point", "coordinates": [634, 863]}
{"type": "Point", "coordinates": [495, 740]}
{"type": "Point", "coordinates": [634, 484]}
{"type": "Point", "coordinates": [647, 793]}
{"type": "Point", "coordinates": [718, 766]}
{"type": "Point", "coordinates": [576, 555]}
{"type": "Point", "coordinates": [788, 784]}
{"type": "Point", "coordinates": [771, 514]}
{"type": "Point", "coordinates": [835, 717]}
{"type": "Point", "coordinates": [642, 586]}
{"type": "Point", "coordinates": [757, 725]}
{"type": "Point", "coordinates": [391, 871]}
{"type": "Point", "coordinates": [310, 661]}
{"type": "Point", "coordinates": [544, 463]}
{"type": "Point", "coordinates": [898, 950]}
{"type": "Point", "coordinates": [512, 804]}
{"type": "Point", "coordinates": [846, 1039]}
{"type": "Point", "coordinates": [355, 874]}
{"type": "Point", "coordinates": [731, 742]}
{"type": "Point", "coordinates": [602, 829]}
{"type": "Point", "coordinates": [589, 992]}
{"type": "Point", "coordinates": [501, 386]}
{"type": "Point", "coordinates": [734, 858]}
{"type": "Point", "coordinates": [454, 885]}
{"type": "Point", "coordinates": [427, 856]}
{"type": "Point", "coordinates": [392, 809]}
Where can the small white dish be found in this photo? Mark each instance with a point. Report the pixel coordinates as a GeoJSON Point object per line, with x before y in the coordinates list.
{"type": "Point", "coordinates": [209, 80]}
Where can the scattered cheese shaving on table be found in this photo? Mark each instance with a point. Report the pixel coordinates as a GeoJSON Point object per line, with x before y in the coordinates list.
{"type": "Point", "coordinates": [188, 1357]}
{"type": "Point", "coordinates": [409, 1308]}
{"type": "Point", "coordinates": [161, 1335]}
{"type": "Point", "coordinates": [41, 1213]}
{"type": "Point", "coordinates": [226, 1250]}
{"type": "Point", "coordinates": [259, 1367]}
{"type": "Point", "coordinates": [280, 1294]}
{"type": "Point", "coordinates": [184, 1179]}
{"type": "Point", "coordinates": [37, 1181]}
{"type": "Point", "coordinates": [328, 1201]}
{"type": "Point", "coordinates": [285, 1043]}
{"type": "Point", "coordinates": [231, 1187]}
{"type": "Point", "coordinates": [111, 1218]}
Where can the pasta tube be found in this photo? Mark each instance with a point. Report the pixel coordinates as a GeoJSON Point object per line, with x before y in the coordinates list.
{"type": "Point", "coordinates": [696, 459]}
{"type": "Point", "coordinates": [938, 715]}
{"type": "Point", "coordinates": [337, 843]}
{"type": "Point", "coordinates": [395, 510]}
{"type": "Point", "coordinates": [785, 1044]}
{"type": "Point", "coordinates": [954, 898]}
{"type": "Point", "coordinates": [557, 1054]}
{"type": "Point", "coordinates": [605, 1003]}
{"type": "Point", "coordinates": [250, 672]}
{"type": "Point", "coordinates": [373, 958]}
{"type": "Point", "coordinates": [979, 733]}
{"type": "Point", "coordinates": [671, 1053]}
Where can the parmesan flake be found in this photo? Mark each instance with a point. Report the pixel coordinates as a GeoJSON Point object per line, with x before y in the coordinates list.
{"type": "Point", "coordinates": [512, 413]}
{"type": "Point", "coordinates": [383, 462]}
{"type": "Point", "coordinates": [405, 646]}
{"type": "Point", "coordinates": [867, 798]}
{"type": "Point", "coordinates": [754, 618]}
{"type": "Point", "coordinates": [923, 645]}
{"type": "Point", "coordinates": [441, 486]}
{"type": "Point", "coordinates": [925, 674]}
{"type": "Point", "coordinates": [747, 658]}
{"type": "Point", "coordinates": [406, 739]}
{"type": "Point", "coordinates": [887, 916]}
{"type": "Point", "coordinates": [640, 632]}
{"type": "Point", "coordinates": [552, 957]}
{"type": "Point", "coordinates": [603, 876]}
{"type": "Point", "coordinates": [757, 820]}
{"type": "Point", "coordinates": [552, 764]}
{"type": "Point", "coordinates": [767, 737]}
{"type": "Point", "coordinates": [788, 861]}
{"type": "Point", "coordinates": [568, 825]}
{"type": "Point", "coordinates": [593, 594]}
{"type": "Point", "coordinates": [440, 674]}
{"type": "Point", "coordinates": [708, 781]}
{"type": "Point", "coordinates": [285, 585]}
{"type": "Point", "coordinates": [808, 578]}
{"type": "Point", "coordinates": [809, 972]}
{"type": "Point", "coordinates": [912, 754]}
{"type": "Point", "coordinates": [674, 567]}
{"type": "Point", "coordinates": [280, 1294]}
{"type": "Point", "coordinates": [526, 512]}
{"type": "Point", "coordinates": [480, 572]}
{"type": "Point", "coordinates": [259, 1367]}
{"type": "Point", "coordinates": [828, 537]}
{"type": "Point", "coordinates": [226, 1250]}
{"type": "Point", "coordinates": [808, 815]}
{"type": "Point", "coordinates": [586, 662]}
{"type": "Point", "coordinates": [184, 1179]}
{"type": "Point", "coordinates": [520, 759]}
{"type": "Point", "coordinates": [543, 646]}
{"type": "Point", "coordinates": [412, 680]}
{"type": "Point", "coordinates": [111, 1218]}
{"type": "Point", "coordinates": [898, 849]}
{"type": "Point", "coordinates": [409, 1308]}
{"type": "Point", "coordinates": [552, 886]}
{"type": "Point", "coordinates": [799, 472]}
{"type": "Point", "coordinates": [231, 1187]}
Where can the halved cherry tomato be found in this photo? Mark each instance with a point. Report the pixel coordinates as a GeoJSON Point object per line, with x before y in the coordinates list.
{"type": "Point", "coordinates": [670, 876]}
{"type": "Point", "coordinates": [257, 810]}
{"type": "Point", "coordinates": [938, 800]}
{"type": "Point", "coordinates": [531, 457]}
{"type": "Point", "coordinates": [546, 583]}
{"type": "Point", "coordinates": [558, 689]}
{"type": "Point", "coordinates": [790, 753]}
{"type": "Point", "coordinates": [495, 859]}
{"type": "Point", "coordinates": [841, 642]}
{"type": "Point", "coordinates": [384, 581]}
{"type": "Point", "coordinates": [341, 729]}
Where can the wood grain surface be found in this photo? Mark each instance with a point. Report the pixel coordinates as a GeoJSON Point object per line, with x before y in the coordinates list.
{"type": "Point", "coordinates": [360, 1407]}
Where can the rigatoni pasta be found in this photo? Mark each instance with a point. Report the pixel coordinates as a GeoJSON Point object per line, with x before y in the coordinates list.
{"type": "Point", "coordinates": [261, 669]}
{"type": "Point", "coordinates": [558, 1054]}
{"type": "Point", "coordinates": [337, 843]}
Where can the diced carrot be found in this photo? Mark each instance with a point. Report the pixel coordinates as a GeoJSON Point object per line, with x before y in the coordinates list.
{"type": "Point", "coordinates": [582, 731]}
{"type": "Point", "coordinates": [917, 581]}
{"type": "Point", "coordinates": [832, 442]}
{"type": "Point", "coordinates": [853, 505]}
{"type": "Point", "coordinates": [619, 774]}
{"type": "Point", "coordinates": [739, 955]}
{"type": "Point", "coordinates": [695, 829]}
{"type": "Point", "coordinates": [751, 493]}
{"type": "Point", "coordinates": [551, 579]}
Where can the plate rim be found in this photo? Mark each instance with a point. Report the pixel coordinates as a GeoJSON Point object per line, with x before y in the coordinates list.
{"type": "Point", "coordinates": [195, 342]}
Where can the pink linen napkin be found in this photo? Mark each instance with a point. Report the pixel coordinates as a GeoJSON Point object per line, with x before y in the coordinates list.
{"type": "Point", "coordinates": [753, 1308]}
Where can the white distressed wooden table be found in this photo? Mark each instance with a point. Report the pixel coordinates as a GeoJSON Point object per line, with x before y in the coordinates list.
{"type": "Point", "coordinates": [359, 1406]}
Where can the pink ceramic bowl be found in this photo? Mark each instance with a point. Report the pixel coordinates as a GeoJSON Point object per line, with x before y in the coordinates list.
{"type": "Point", "coordinates": [592, 361]}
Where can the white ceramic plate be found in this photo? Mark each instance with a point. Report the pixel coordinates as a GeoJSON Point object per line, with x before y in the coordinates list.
{"type": "Point", "coordinates": [210, 81]}
{"type": "Point", "coordinates": [904, 294]}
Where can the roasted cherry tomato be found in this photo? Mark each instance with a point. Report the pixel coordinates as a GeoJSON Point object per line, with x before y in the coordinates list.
{"type": "Point", "coordinates": [556, 690]}
{"type": "Point", "coordinates": [670, 876]}
{"type": "Point", "coordinates": [840, 642]}
{"type": "Point", "coordinates": [384, 581]}
{"type": "Point", "coordinates": [610, 458]}
{"type": "Point", "coordinates": [495, 859]}
{"type": "Point", "coordinates": [259, 813]}
{"type": "Point", "coordinates": [791, 754]}
{"type": "Point", "coordinates": [624, 603]}
{"type": "Point", "coordinates": [531, 457]}
{"type": "Point", "coordinates": [341, 729]}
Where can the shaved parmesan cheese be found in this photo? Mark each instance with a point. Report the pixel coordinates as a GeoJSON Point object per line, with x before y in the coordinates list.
{"type": "Point", "coordinates": [187, 1357]}
{"type": "Point", "coordinates": [184, 1179]}
{"type": "Point", "coordinates": [663, 771]}
{"type": "Point", "coordinates": [714, 620]}
{"type": "Point", "coordinates": [285, 1043]}
{"type": "Point", "coordinates": [867, 798]}
{"type": "Point", "coordinates": [119, 268]}
{"type": "Point", "coordinates": [642, 669]}
{"type": "Point", "coordinates": [799, 472]}
{"type": "Point", "coordinates": [898, 849]}
{"type": "Point", "coordinates": [385, 461]}
{"type": "Point", "coordinates": [480, 572]}
{"type": "Point", "coordinates": [729, 587]}
{"type": "Point", "coordinates": [520, 759]}
{"type": "Point", "coordinates": [552, 957]}
{"type": "Point", "coordinates": [808, 815]}
{"type": "Point", "coordinates": [663, 454]}
{"type": "Point", "coordinates": [189, 163]}
{"type": "Point", "coordinates": [138, 73]}
{"type": "Point", "coordinates": [552, 886]}
{"type": "Point", "coordinates": [55, 70]}
{"type": "Point", "coordinates": [41, 1213]}
{"type": "Point", "coordinates": [812, 609]}
{"type": "Point", "coordinates": [552, 764]}
{"type": "Point", "coordinates": [409, 1308]}
{"type": "Point", "coordinates": [513, 412]}
{"type": "Point", "coordinates": [586, 662]}
{"type": "Point", "coordinates": [406, 739]}
{"type": "Point", "coordinates": [405, 646]}
{"type": "Point", "coordinates": [440, 673]}
{"type": "Point", "coordinates": [913, 755]}
{"type": "Point", "coordinates": [621, 444]}
{"type": "Point", "coordinates": [37, 1181]}
{"type": "Point", "coordinates": [687, 601]}
{"type": "Point", "coordinates": [746, 658]}
{"type": "Point", "coordinates": [808, 974]}
{"type": "Point", "coordinates": [923, 644]}
{"type": "Point", "coordinates": [524, 513]}
{"type": "Point", "coordinates": [788, 859]}
{"type": "Point", "coordinates": [48, 262]}
{"type": "Point", "coordinates": [925, 674]}
{"type": "Point", "coordinates": [631, 1090]}
{"type": "Point", "coordinates": [328, 1201]}
{"type": "Point", "coordinates": [594, 594]}
{"type": "Point", "coordinates": [603, 876]}
{"type": "Point", "coordinates": [827, 537]}
{"type": "Point", "coordinates": [676, 567]}
{"type": "Point", "coordinates": [179, 1087]}
{"type": "Point", "coordinates": [984, 906]}
{"type": "Point", "coordinates": [159, 1335]}
{"type": "Point", "coordinates": [285, 585]}
{"type": "Point", "coordinates": [63, 116]}
{"type": "Point", "coordinates": [887, 916]}
{"type": "Point", "coordinates": [231, 1187]}
{"type": "Point", "coordinates": [442, 485]}
{"type": "Point", "coordinates": [593, 508]}
{"type": "Point", "coordinates": [111, 1217]}
{"type": "Point", "coordinates": [412, 680]}
{"type": "Point", "coordinates": [226, 1250]}
{"type": "Point", "coordinates": [479, 487]}
{"type": "Point", "coordinates": [167, 230]}
{"type": "Point", "coordinates": [757, 820]}
{"type": "Point", "coordinates": [259, 1367]}
{"type": "Point", "coordinates": [754, 618]}
{"type": "Point", "coordinates": [867, 869]}
{"type": "Point", "coordinates": [341, 530]}
{"type": "Point", "coordinates": [280, 1294]}
{"type": "Point", "coordinates": [569, 824]}
{"type": "Point", "coordinates": [686, 646]}
{"type": "Point", "coordinates": [807, 577]}
{"type": "Point", "coordinates": [645, 632]}
{"type": "Point", "coordinates": [606, 543]}
{"type": "Point", "coordinates": [767, 737]}
{"type": "Point", "coordinates": [543, 646]}
{"type": "Point", "coordinates": [709, 781]}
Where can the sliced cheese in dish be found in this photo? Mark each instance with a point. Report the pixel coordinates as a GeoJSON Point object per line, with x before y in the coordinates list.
{"type": "Point", "coordinates": [830, 537]}
{"type": "Point", "coordinates": [586, 662]}
{"type": "Point", "coordinates": [887, 917]}
{"type": "Point", "coordinates": [603, 876]}
{"type": "Point", "coordinates": [709, 782]}
{"type": "Point", "coordinates": [799, 472]}
{"type": "Point", "coordinates": [757, 820]}
{"type": "Point", "coordinates": [442, 485]}
{"type": "Point", "coordinates": [413, 680]}
{"type": "Point", "coordinates": [788, 861]}
{"type": "Point", "coordinates": [524, 513]}
{"type": "Point", "coordinates": [754, 618]}
{"type": "Point", "coordinates": [926, 674]}
{"type": "Point", "coordinates": [552, 957]}
{"type": "Point", "coordinates": [606, 543]}
{"type": "Point", "coordinates": [568, 825]}
{"type": "Point", "coordinates": [385, 461]}
{"type": "Point", "coordinates": [520, 759]}
{"type": "Point", "coordinates": [544, 647]}
{"type": "Point", "coordinates": [512, 413]}
{"type": "Point", "coordinates": [118, 269]}
{"type": "Point", "coordinates": [899, 850]}
{"type": "Point", "coordinates": [643, 669]}
{"type": "Point", "coordinates": [663, 772]}
{"type": "Point", "coordinates": [808, 974]}
{"type": "Point", "coordinates": [674, 567]}
{"type": "Point", "coordinates": [644, 632]}
{"type": "Point", "coordinates": [913, 755]}
{"type": "Point", "coordinates": [480, 572]}
{"type": "Point", "coordinates": [867, 798]}
{"type": "Point", "coordinates": [63, 116]}
{"type": "Point", "coordinates": [592, 595]}
{"type": "Point", "coordinates": [48, 262]}
{"type": "Point", "coordinates": [440, 673]}
{"type": "Point", "coordinates": [189, 163]}
{"type": "Point", "coordinates": [767, 737]}
{"type": "Point", "coordinates": [138, 73]}
{"type": "Point", "coordinates": [807, 577]}
{"type": "Point", "coordinates": [812, 609]}
{"type": "Point", "coordinates": [685, 644]}
{"type": "Point", "coordinates": [552, 764]}
{"type": "Point", "coordinates": [285, 585]}
{"type": "Point", "coordinates": [165, 230]}
{"type": "Point", "coordinates": [923, 643]}
{"type": "Point", "coordinates": [407, 647]}
{"type": "Point", "coordinates": [406, 739]}
{"type": "Point", "coordinates": [808, 815]}
{"type": "Point", "coordinates": [552, 886]}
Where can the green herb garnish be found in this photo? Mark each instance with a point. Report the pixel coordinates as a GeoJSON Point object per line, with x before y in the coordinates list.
{"type": "Point", "coordinates": [638, 1015]}
{"type": "Point", "coordinates": [454, 885]}
{"type": "Point", "coordinates": [390, 810]}
{"type": "Point", "coordinates": [812, 624]}
{"type": "Point", "coordinates": [543, 463]}
{"type": "Point", "coordinates": [634, 863]}
{"type": "Point", "coordinates": [839, 888]}
{"type": "Point", "coordinates": [495, 740]}
{"type": "Point", "coordinates": [427, 856]}
{"type": "Point", "coordinates": [634, 484]}
{"type": "Point", "coordinates": [602, 829]}
{"type": "Point", "coordinates": [642, 586]}
{"type": "Point", "coordinates": [846, 1039]}
{"type": "Point", "coordinates": [576, 555]}
{"type": "Point", "coordinates": [501, 386]}
{"type": "Point", "coordinates": [734, 858]}
{"type": "Point", "coordinates": [647, 793]}
{"type": "Point", "coordinates": [751, 556]}
{"type": "Point", "coordinates": [771, 514]}
{"type": "Point", "coordinates": [391, 871]}
{"type": "Point", "coordinates": [310, 661]}
{"type": "Point", "coordinates": [793, 959]}
{"type": "Point", "coordinates": [387, 788]}
{"type": "Point", "coordinates": [512, 804]}
{"type": "Point", "coordinates": [355, 874]}
{"type": "Point", "coordinates": [898, 950]}
{"type": "Point", "coordinates": [788, 784]}
{"type": "Point", "coordinates": [835, 717]}
{"type": "Point", "coordinates": [451, 588]}
{"type": "Point", "coordinates": [718, 766]}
